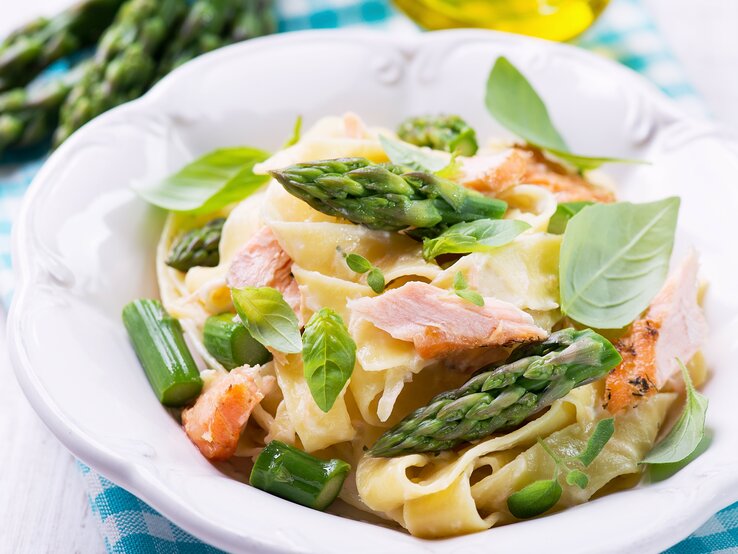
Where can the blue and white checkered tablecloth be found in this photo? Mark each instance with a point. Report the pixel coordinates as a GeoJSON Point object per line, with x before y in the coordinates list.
{"type": "Point", "coordinates": [625, 32]}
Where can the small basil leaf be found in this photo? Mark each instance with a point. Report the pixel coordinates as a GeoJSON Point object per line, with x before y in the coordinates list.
{"type": "Point", "coordinates": [375, 280]}
{"type": "Point", "coordinates": [358, 263]}
{"type": "Point", "coordinates": [614, 259]}
{"type": "Point", "coordinates": [513, 102]}
{"type": "Point", "coordinates": [296, 132]}
{"type": "Point", "coordinates": [585, 163]}
{"type": "Point", "coordinates": [602, 433]}
{"type": "Point", "coordinates": [482, 235]}
{"type": "Point", "coordinates": [471, 296]}
{"type": "Point", "coordinates": [688, 431]}
{"type": "Point", "coordinates": [328, 355]}
{"type": "Point", "coordinates": [534, 499]}
{"type": "Point", "coordinates": [402, 153]}
{"type": "Point", "coordinates": [564, 212]}
{"type": "Point", "coordinates": [209, 183]}
{"type": "Point", "coordinates": [578, 478]}
{"type": "Point", "coordinates": [460, 281]}
{"type": "Point", "coordinates": [268, 318]}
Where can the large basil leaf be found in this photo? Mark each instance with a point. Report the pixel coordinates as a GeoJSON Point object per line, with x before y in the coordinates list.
{"type": "Point", "coordinates": [688, 431]}
{"type": "Point", "coordinates": [268, 318]}
{"type": "Point", "coordinates": [614, 259]}
{"type": "Point", "coordinates": [482, 235]}
{"type": "Point", "coordinates": [215, 180]}
{"type": "Point", "coordinates": [516, 105]}
{"type": "Point", "coordinates": [328, 357]}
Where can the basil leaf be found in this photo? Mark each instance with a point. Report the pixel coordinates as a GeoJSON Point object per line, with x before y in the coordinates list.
{"type": "Point", "coordinates": [564, 212]}
{"type": "Point", "coordinates": [461, 288]}
{"type": "Point", "coordinates": [534, 499]}
{"type": "Point", "coordinates": [375, 280]}
{"type": "Point", "coordinates": [482, 235]}
{"type": "Point", "coordinates": [402, 153]}
{"type": "Point", "coordinates": [358, 263]}
{"type": "Point", "coordinates": [268, 318]}
{"type": "Point", "coordinates": [688, 431]}
{"type": "Point", "coordinates": [328, 356]}
{"type": "Point", "coordinates": [215, 180]}
{"type": "Point", "coordinates": [471, 296]}
{"type": "Point", "coordinates": [516, 105]}
{"type": "Point", "coordinates": [585, 163]}
{"type": "Point", "coordinates": [578, 478]}
{"type": "Point", "coordinates": [602, 433]}
{"type": "Point", "coordinates": [614, 259]}
{"type": "Point", "coordinates": [296, 132]}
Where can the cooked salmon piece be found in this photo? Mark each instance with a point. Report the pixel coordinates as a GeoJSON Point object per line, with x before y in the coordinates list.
{"type": "Point", "coordinates": [672, 327]}
{"type": "Point", "coordinates": [495, 173]}
{"type": "Point", "coordinates": [438, 322]}
{"type": "Point", "coordinates": [214, 424]}
{"type": "Point", "coordinates": [261, 262]}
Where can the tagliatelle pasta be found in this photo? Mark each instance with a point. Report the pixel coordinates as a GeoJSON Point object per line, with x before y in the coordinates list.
{"type": "Point", "coordinates": [435, 472]}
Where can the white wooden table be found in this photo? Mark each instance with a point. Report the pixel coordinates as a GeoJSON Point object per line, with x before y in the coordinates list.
{"type": "Point", "coordinates": [43, 506]}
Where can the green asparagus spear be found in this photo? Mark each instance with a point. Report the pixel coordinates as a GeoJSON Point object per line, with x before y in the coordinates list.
{"type": "Point", "coordinates": [230, 343]}
{"type": "Point", "coordinates": [124, 64]}
{"type": "Point", "coordinates": [31, 113]}
{"type": "Point", "coordinates": [32, 48]}
{"type": "Point", "coordinates": [201, 31]}
{"type": "Point", "coordinates": [198, 247]}
{"type": "Point", "coordinates": [442, 132]}
{"type": "Point", "coordinates": [385, 196]}
{"type": "Point", "coordinates": [256, 19]}
{"type": "Point", "coordinates": [160, 346]}
{"type": "Point", "coordinates": [503, 397]}
{"type": "Point", "coordinates": [290, 473]}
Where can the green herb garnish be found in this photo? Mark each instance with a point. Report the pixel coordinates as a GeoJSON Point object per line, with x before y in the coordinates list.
{"type": "Point", "coordinates": [614, 259]}
{"type": "Point", "coordinates": [375, 277]}
{"type": "Point", "coordinates": [209, 183]}
{"type": "Point", "coordinates": [513, 102]}
{"type": "Point", "coordinates": [462, 290]}
{"type": "Point", "coordinates": [482, 235]}
{"type": "Point", "coordinates": [688, 431]}
{"type": "Point", "coordinates": [564, 212]}
{"type": "Point", "coordinates": [268, 318]}
{"type": "Point", "coordinates": [296, 133]}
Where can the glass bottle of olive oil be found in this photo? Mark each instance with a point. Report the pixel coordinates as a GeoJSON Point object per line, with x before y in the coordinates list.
{"type": "Point", "coordinates": [552, 19]}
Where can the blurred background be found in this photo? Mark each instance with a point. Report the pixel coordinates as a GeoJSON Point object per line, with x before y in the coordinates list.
{"type": "Point", "coordinates": [44, 505]}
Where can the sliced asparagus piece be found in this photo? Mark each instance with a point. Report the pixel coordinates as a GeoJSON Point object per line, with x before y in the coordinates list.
{"type": "Point", "coordinates": [160, 346]}
{"type": "Point", "coordinates": [441, 132]}
{"type": "Point", "coordinates": [294, 475]}
{"type": "Point", "coordinates": [197, 247]}
{"type": "Point", "coordinates": [230, 343]}
{"type": "Point", "coordinates": [503, 397]}
{"type": "Point", "coordinates": [385, 196]}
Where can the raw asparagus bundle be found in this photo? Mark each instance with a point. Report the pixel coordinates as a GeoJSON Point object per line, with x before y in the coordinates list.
{"type": "Point", "coordinates": [33, 47]}
{"type": "Point", "coordinates": [255, 19]}
{"type": "Point", "coordinates": [201, 31]}
{"type": "Point", "coordinates": [385, 196]}
{"type": "Point", "coordinates": [442, 132]}
{"type": "Point", "coordinates": [124, 64]}
{"type": "Point", "coordinates": [502, 398]}
{"type": "Point", "coordinates": [198, 247]}
{"type": "Point", "coordinates": [30, 114]}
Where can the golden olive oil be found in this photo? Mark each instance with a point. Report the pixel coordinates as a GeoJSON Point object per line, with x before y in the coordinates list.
{"type": "Point", "coordinates": [551, 19]}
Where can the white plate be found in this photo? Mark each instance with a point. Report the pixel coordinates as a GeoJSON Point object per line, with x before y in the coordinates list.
{"type": "Point", "coordinates": [84, 246]}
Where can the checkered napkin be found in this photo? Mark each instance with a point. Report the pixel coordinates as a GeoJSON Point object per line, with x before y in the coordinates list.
{"type": "Point", "coordinates": [625, 32]}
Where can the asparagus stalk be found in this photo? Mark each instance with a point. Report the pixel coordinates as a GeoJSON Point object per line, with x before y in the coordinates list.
{"type": "Point", "coordinates": [256, 19]}
{"type": "Point", "coordinates": [230, 343]}
{"type": "Point", "coordinates": [442, 132]}
{"type": "Point", "coordinates": [197, 247]}
{"type": "Point", "coordinates": [503, 397]}
{"type": "Point", "coordinates": [385, 196]}
{"type": "Point", "coordinates": [294, 475]}
{"type": "Point", "coordinates": [33, 47]}
{"type": "Point", "coordinates": [160, 346]}
{"type": "Point", "coordinates": [124, 64]}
